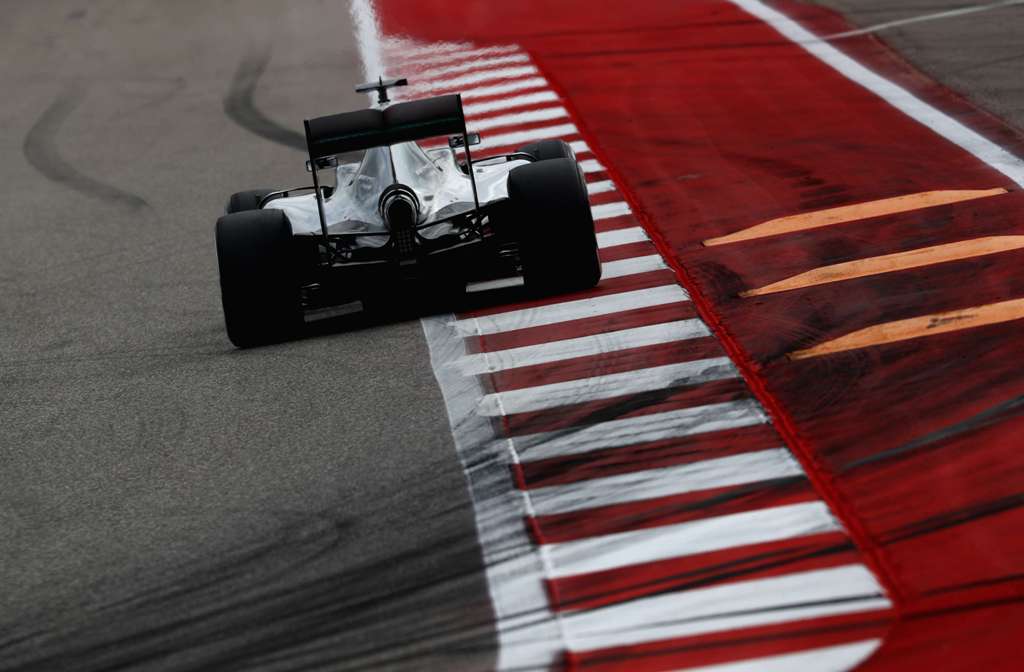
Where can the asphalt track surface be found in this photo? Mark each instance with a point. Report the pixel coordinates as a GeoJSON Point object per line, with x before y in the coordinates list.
{"type": "Point", "coordinates": [170, 503]}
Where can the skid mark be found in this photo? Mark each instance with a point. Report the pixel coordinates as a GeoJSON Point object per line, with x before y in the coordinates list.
{"type": "Point", "coordinates": [40, 150]}
{"type": "Point", "coordinates": [852, 213]}
{"type": "Point", "coordinates": [917, 327]}
{"type": "Point", "coordinates": [889, 263]}
{"type": "Point", "coordinates": [240, 105]}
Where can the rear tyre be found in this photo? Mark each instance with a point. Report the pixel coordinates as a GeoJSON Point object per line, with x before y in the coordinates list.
{"type": "Point", "coordinates": [557, 243]}
{"type": "Point", "coordinates": [246, 200]}
{"type": "Point", "coordinates": [258, 277]}
{"type": "Point", "coordinates": [549, 149]}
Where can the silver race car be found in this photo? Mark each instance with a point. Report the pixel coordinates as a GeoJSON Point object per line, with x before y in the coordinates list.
{"type": "Point", "coordinates": [400, 221]}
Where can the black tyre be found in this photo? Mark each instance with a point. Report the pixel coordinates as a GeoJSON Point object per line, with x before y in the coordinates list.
{"type": "Point", "coordinates": [246, 200]}
{"type": "Point", "coordinates": [557, 243]}
{"type": "Point", "coordinates": [258, 277]}
{"type": "Point", "coordinates": [549, 149]}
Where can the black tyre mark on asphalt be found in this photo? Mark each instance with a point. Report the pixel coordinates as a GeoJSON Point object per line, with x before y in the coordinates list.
{"type": "Point", "coordinates": [241, 108]}
{"type": "Point", "coordinates": [40, 150]}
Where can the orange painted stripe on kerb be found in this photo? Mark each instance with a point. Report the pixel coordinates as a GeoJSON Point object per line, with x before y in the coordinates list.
{"type": "Point", "coordinates": [889, 263]}
{"type": "Point", "coordinates": [917, 327]}
{"type": "Point", "coordinates": [851, 213]}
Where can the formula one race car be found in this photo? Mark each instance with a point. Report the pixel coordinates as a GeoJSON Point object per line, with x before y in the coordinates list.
{"type": "Point", "coordinates": [401, 220]}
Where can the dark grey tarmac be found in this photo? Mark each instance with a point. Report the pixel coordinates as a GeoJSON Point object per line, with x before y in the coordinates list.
{"type": "Point", "coordinates": [168, 502]}
{"type": "Point", "coordinates": [980, 55]}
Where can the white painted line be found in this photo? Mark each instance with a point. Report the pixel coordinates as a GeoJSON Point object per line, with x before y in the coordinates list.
{"type": "Point", "coordinates": [642, 429]}
{"type": "Point", "coordinates": [624, 549]}
{"type": "Point", "coordinates": [507, 87]}
{"type": "Point", "coordinates": [608, 210]}
{"type": "Point", "coordinates": [823, 659]}
{"type": "Point", "coordinates": [584, 346]}
{"type": "Point", "coordinates": [632, 266]}
{"type": "Point", "coordinates": [624, 267]}
{"type": "Point", "coordinates": [579, 147]}
{"type": "Point", "coordinates": [571, 310]}
{"type": "Point", "coordinates": [949, 128]}
{"type": "Point", "coordinates": [470, 65]}
{"type": "Point", "coordinates": [500, 283]}
{"type": "Point", "coordinates": [633, 234]}
{"type": "Point", "coordinates": [778, 599]}
{"type": "Point", "coordinates": [600, 186]}
{"type": "Point", "coordinates": [529, 135]}
{"type": "Point", "coordinates": [637, 486]}
{"type": "Point", "coordinates": [608, 386]}
{"type": "Point", "coordinates": [515, 119]}
{"type": "Point", "coordinates": [592, 166]}
{"type": "Point", "coordinates": [473, 109]}
{"type": "Point", "coordinates": [474, 78]}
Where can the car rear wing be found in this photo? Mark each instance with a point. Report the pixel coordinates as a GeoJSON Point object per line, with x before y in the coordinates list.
{"type": "Point", "coordinates": [403, 122]}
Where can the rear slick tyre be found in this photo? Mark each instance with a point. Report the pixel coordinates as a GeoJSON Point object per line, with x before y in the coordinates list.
{"type": "Point", "coordinates": [548, 149]}
{"type": "Point", "coordinates": [246, 200]}
{"type": "Point", "coordinates": [258, 280]}
{"type": "Point", "coordinates": [557, 243]}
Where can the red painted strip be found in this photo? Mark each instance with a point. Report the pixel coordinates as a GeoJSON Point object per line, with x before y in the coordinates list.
{"type": "Point", "coordinates": [562, 527]}
{"type": "Point", "coordinates": [617, 408]}
{"type": "Point", "coordinates": [592, 325]}
{"type": "Point", "coordinates": [611, 461]}
{"type": "Point", "coordinates": [615, 586]}
{"type": "Point", "coordinates": [616, 223]}
{"type": "Point", "coordinates": [734, 645]}
{"type": "Point", "coordinates": [606, 363]}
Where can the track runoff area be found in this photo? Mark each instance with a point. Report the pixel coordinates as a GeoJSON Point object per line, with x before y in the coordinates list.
{"type": "Point", "coordinates": [783, 432]}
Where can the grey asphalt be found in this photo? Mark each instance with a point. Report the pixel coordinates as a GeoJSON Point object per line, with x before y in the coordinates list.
{"type": "Point", "coordinates": [980, 55]}
{"type": "Point", "coordinates": [168, 502]}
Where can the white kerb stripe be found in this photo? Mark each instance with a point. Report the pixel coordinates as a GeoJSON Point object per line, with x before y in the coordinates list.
{"type": "Point", "coordinates": [570, 348]}
{"type": "Point", "coordinates": [566, 311]}
{"type": "Point", "coordinates": [838, 658]}
{"type": "Point", "coordinates": [476, 64]}
{"type": "Point", "coordinates": [442, 53]}
{"type": "Point", "coordinates": [915, 108]}
{"type": "Point", "coordinates": [507, 87]}
{"type": "Point", "coordinates": [447, 83]}
{"type": "Point", "coordinates": [778, 599]}
{"type": "Point", "coordinates": [624, 549]}
{"type": "Point", "coordinates": [637, 486]}
{"type": "Point", "coordinates": [474, 109]}
{"type": "Point", "coordinates": [611, 385]}
{"type": "Point", "coordinates": [633, 234]}
{"type": "Point", "coordinates": [607, 210]}
{"type": "Point", "coordinates": [624, 267]}
{"type": "Point", "coordinates": [681, 627]}
{"type": "Point", "coordinates": [641, 429]}
{"type": "Point", "coordinates": [517, 118]}
{"type": "Point", "coordinates": [580, 147]}
{"type": "Point", "coordinates": [527, 135]}
{"type": "Point", "coordinates": [591, 165]}
{"type": "Point", "coordinates": [600, 186]}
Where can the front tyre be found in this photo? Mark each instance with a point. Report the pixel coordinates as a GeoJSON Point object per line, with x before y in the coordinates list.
{"type": "Point", "coordinates": [557, 243]}
{"type": "Point", "coordinates": [258, 277]}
